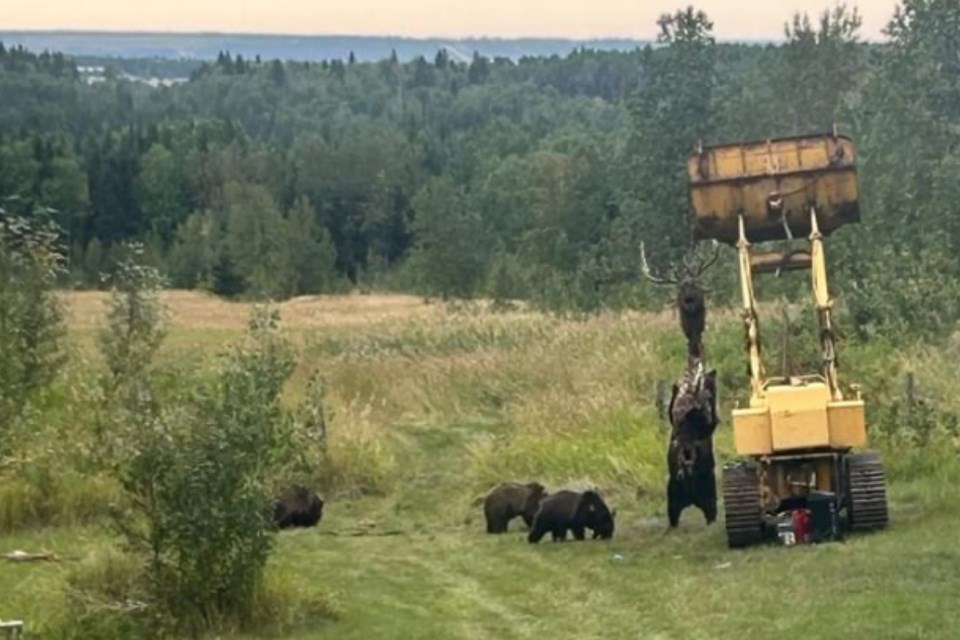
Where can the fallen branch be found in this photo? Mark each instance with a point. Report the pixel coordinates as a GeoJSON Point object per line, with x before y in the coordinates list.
{"type": "Point", "coordinates": [364, 534]}
{"type": "Point", "coordinates": [23, 556]}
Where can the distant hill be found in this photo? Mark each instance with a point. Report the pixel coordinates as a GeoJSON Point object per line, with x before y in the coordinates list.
{"type": "Point", "coordinates": [206, 46]}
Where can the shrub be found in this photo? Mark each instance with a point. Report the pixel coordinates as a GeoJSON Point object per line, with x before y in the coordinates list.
{"type": "Point", "coordinates": [129, 341]}
{"type": "Point", "coordinates": [135, 317]}
{"type": "Point", "coordinates": [197, 483]}
{"type": "Point", "coordinates": [31, 320]}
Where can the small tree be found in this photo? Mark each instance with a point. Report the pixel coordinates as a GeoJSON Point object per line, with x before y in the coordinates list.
{"type": "Point", "coordinates": [197, 485]}
{"type": "Point", "coordinates": [31, 319]}
{"type": "Point", "coordinates": [134, 330]}
{"type": "Point", "coordinates": [135, 318]}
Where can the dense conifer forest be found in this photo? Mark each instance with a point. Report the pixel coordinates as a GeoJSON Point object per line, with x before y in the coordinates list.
{"type": "Point", "coordinates": [534, 179]}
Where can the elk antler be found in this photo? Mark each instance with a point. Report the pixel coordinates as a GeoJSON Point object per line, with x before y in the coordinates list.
{"type": "Point", "coordinates": [694, 265]}
{"type": "Point", "coordinates": [648, 273]}
{"type": "Point", "coordinates": [695, 271]}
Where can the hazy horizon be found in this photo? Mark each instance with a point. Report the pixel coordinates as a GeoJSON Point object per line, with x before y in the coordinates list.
{"type": "Point", "coordinates": [430, 19]}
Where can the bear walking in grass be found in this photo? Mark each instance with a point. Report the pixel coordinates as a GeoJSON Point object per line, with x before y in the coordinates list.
{"type": "Point", "coordinates": [297, 507]}
{"type": "Point", "coordinates": [508, 500]}
{"type": "Point", "coordinates": [571, 511]}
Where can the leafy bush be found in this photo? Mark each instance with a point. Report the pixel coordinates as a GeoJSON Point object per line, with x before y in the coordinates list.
{"type": "Point", "coordinates": [135, 318]}
{"type": "Point", "coordinates": [31, 320]}
{"type": "Point", "coordinates": [197, 483]}
{"type": "Point", "coordinates": [107, 596]}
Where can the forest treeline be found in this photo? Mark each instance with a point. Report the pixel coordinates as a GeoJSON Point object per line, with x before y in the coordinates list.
{"type": "Point", "coordinates": [536, 179]}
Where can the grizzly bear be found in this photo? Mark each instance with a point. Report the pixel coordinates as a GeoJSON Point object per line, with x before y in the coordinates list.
{"type": "Point", "coordinates": [569, 510]}
{"type": "Point", "coordinates": [692, 481]}
{"type": "Point", "coordinates": [508, 500]}
{"type": "Point", "coordinates": [297, 507]}
{"type": "Point", "coordinates": [690, 459]}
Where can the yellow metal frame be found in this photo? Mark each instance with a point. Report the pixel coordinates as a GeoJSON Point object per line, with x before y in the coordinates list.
{"type": "Point", "coordinates": [802, 413]}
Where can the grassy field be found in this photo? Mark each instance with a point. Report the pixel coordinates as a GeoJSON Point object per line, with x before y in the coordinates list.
{"type": "Point", "coordinates": [431, 404]}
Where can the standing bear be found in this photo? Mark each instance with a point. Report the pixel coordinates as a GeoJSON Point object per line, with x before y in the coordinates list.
{"type": "Point", "coordinates": [569, 510]}
{"type": "Point", "coordinates": [690, 459]}
{"type": "Point", "coordinates": [508, 500]}
{"type": "Point", "coordinates": [692, 480]}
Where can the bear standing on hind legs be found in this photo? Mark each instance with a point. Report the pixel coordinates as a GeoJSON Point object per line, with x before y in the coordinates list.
{"type": "Point", "coordinates": [690, 460]}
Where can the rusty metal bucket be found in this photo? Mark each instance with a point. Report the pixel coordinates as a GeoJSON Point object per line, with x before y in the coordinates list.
{"type": "Point", "coordinates": [773, 184]}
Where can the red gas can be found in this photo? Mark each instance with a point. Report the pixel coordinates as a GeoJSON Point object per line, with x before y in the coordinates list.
{"type": "Point", "coordinates": [801, 525]}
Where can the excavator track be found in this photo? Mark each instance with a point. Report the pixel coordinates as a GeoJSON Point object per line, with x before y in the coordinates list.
{"type": "Point", "coordinates": [867, 492]}
{"type": "Point", "coordinates": [741, 501]}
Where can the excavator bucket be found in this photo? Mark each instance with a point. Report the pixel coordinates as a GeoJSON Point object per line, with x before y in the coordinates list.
{"type": "Point", "coordinates": [773, 185]}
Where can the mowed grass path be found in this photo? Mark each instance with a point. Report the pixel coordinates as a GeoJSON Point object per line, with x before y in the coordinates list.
{"type": "Point", "coordinates": [903, 583]}
{"type": "Point", "coordinates": [455, 581]}
{"type": "Point", "coordinates": [415, 562]}
{"type": "Point", "coordinates": [404, 581]}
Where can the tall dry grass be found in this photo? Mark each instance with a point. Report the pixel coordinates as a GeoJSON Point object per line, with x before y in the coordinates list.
{"type": "Point", "coordinates": [573, 398]}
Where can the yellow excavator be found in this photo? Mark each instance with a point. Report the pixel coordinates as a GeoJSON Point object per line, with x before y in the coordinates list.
{"type": "Point", "coordinates": [799, 440]}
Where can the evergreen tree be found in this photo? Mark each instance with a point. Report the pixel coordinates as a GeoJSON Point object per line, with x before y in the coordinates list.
{"type": "Point", "coordinates": [256, 241]}
{"type": "Point", "coordinates": [312, 254]}
{"type": "Point", "coordinates": [450, 251]}
{"type": "Point", "coordinates": [165, 191]}
{"type": "Point", "coordinates": [278, 74]}
{"type": "Point", "coordinates": [479, 69]}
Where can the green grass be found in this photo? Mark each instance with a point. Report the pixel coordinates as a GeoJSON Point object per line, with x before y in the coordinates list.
{"type": "Point", "coordinates": [416, 564]}
{"type": "Point", "coordinates": [428, 413]}
{"type": "Point", "coordinates": [460, 583]}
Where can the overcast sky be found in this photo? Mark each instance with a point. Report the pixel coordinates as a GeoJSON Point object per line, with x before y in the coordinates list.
{"type": "Point", "coordinates": [734, 19]}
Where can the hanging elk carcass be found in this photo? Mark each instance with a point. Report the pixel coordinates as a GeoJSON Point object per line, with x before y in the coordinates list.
{"type": "Point", "coordinates": [693, 403]}
{"type": "Point", "coordinates": [691, 294]}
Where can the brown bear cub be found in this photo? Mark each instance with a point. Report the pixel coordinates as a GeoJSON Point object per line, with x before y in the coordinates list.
{"type": "Point", "coordinates": [569, 510]}
{"type": "Point", "coordinates": [297, 507]}
{"type": "Point", "coordinates": [508, 500]}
